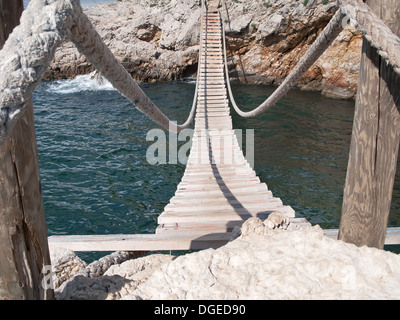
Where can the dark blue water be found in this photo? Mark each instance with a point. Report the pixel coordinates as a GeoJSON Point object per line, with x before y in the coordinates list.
{"type": "Point", "coordinates": [96, 179]}
{"type": "Point", "coordinates": [92, 152]}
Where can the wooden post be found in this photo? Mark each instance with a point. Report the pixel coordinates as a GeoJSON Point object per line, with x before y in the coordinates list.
{"type": "Point", "coordinates": [10, 12]}
{"type": "Point", "coordinates": [374, 143]}
{"type": "Point", "coordinates": [23, 232]}
{"type": "Point", "coordinates": [24, 252]}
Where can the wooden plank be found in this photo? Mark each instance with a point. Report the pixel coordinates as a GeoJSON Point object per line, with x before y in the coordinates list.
{"type": "Point", "coordinates": [213, 117]}
{"type": "Point", "coordinates": [216, 114]}
{"type": "Point", "coordinates": [182, 187]}
{"type": "Point", "coordinates": [138, 242]}
{"type": "Point", "coordinates": [218, 109]}
{"type": "Point", "coordinates": [227, 205]}
{"type": "Point", "coordinates": [220, 202]}
{"type": "Point", "coordinates": [199, 228]}
{"type": "Point", "coordinates": [200, 159]}
{"type": "Point", "coordinates": [216, 101]}
{"type": "Point", "coordinates": [190, 169]}
{"type": "Point", "coordinates": [217, 153]}
{"type": "Point", "coordinates": [209, 108]}
{"type": "Point", "coordinates": [209, 104]}
{"type": "Point", "coordinates": [213, 91]}
{"type": "Point", "coordinates": [223, 215]}
{"type": "Point", "coordinates": [211, 68]}
{"type": "Point", "coordinates": [209, 100]}
{"type": "Point", "coordinates": [213, 99]}
{"type": "Point", "coordinates": [392, 235]}
{"type": "Point", "coordinates": [209, 179]}
{"type": "Point", "coordinates": [215, 96]}
{"type": "Point", "coordinates": [212, 72]}
{"type": "Point", "coordinates": [222, 193]}
{"type": "Point", "coordinates": [211, 79]}
{"type": "Point", "coordinates": [242, 170]}
{"type": "Point", "coordinates": [214, 75]}
{"type": "Point", "coordinates": [196, 239]}
{"type": "Point", "coordinates": [209, 82]}
{"type": "Point", "coordinates": [212, 133]}
{"type": "Point", "coordinates": [218, 156]}
{"type": "Point", "coordinates": [230, 197]}
{"type": "Point", "coordinates": [212, 57]}
{"type": "Point", "coordinates": [206, 106]}
{"type": "Point", "coordinates": [193, 187]}
{"type": "Point", "coordinates": [247, 172]}
{"type": "Point", "coordinates": [218, 193]}
{"type": "Point", "coordinates": [217, 149]}
{"type": "Point", "coordinates": [221, 94]}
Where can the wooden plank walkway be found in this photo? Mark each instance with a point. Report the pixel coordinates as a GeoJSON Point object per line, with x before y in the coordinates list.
{"type": "Point", "coordinates": [186, 239]}
{"type": "Point", "coordinates": [219, 189]}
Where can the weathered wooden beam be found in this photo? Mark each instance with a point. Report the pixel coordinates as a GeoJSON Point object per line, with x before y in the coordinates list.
{"type": "Point", "coordinates": [392, 235]}
{"type": "Point", "coordinates": [185, 239]}
{"type": "Point", "coordinates": [139, 242]}
{"type": "Point", "coordinates": [23, 232]}
{"type": "Point", "coordinates": [10, 12]}
{"type": "Point", "coordinates": [374, 144]}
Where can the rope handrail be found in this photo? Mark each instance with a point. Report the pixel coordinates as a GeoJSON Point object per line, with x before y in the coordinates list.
{"type": "Point", "coordinates": [189, 120]}
{"type": "Point", "coordinates": [45, 24]}
{"type": "Point", "coordinates": [372, 27]}
{"type": "Point", "coordinates": [30, 48]}
{"type": "Point", "coordinates": [319, 46]}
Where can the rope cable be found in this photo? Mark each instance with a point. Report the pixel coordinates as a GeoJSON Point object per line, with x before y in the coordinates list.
{"type": "Point", "coordinates": [45, 24]}
{"type": "Point", "coordinates": [323, 41]}
{"type": "Point", "coordinates": [375, 31]}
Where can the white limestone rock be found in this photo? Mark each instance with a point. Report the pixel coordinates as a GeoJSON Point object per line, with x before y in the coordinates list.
{"type": "Point", "coordinates": [120, 280]}
{"type": "Point", "coordinates": [65, 265]}
{"type": "Point", "coordinates": [268, 263]}
{"type": "Point", "coordinates": [158, 40]}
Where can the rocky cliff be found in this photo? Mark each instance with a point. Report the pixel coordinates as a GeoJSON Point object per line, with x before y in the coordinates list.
{"type": "Point", "coordinates": [157, 40]}
{"type": "Point", "coordinates": [265, 261]}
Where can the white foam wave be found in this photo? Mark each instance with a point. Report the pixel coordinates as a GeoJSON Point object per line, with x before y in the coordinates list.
{"type": "Point", "coordinates": [189, 80]}
{"type": "Point", "coordinates": [88, 82]}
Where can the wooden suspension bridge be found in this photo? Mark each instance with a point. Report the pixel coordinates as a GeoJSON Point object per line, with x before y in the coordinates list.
{"type": "Point", "coordinates": [219, 190]}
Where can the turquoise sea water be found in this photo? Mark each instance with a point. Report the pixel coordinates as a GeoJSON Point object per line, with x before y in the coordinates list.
{"type": "Point", "coordinates": [92, 153]}
{"type": "Point", "coordinates": [96, 179]}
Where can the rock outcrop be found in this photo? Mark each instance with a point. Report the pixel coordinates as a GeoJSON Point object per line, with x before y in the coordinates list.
{"type": "Point", "coordinates": [157, 40]}
{"type": "Point", "coordinates": [265, 263]}
{"type": "Point", "coordinates": [268, 260]}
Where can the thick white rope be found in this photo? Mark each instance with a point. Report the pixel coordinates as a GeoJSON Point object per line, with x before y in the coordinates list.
{"type": "Point", "coordinates": [46, 23]}
{"type": "Point", "coordinates": [30, 48]}
{"type": "Point", "coordinates": [323, 41]}
{"type": "Point", "coordinates": [375, 31]}
{"type": "Point", "coordinates": [360, 14]}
